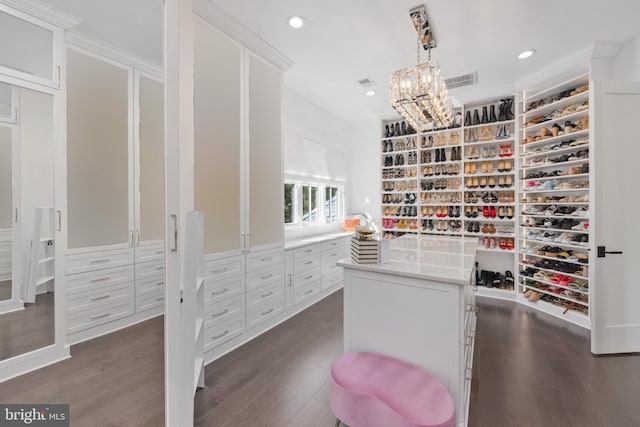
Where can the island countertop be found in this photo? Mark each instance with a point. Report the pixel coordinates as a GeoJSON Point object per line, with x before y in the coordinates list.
{"type": "Point", "coordinates": [436, 258]}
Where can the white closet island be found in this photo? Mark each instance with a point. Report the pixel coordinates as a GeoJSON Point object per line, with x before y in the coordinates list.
{"type": "Point", "coordinates": [419, 308]}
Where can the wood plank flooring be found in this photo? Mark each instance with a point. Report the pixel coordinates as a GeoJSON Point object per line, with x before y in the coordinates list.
{"type": "Point", "coordinates": [29, 329]}
{"type": "Point", "coordinates": [529, 371]}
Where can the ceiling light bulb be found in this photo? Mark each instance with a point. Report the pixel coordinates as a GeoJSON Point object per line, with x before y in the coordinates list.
{"type": "Point", "coordinates": [526, 54]}
{"type": "Point", "coordinates": [296, 22]}
{"type": "Point", "coordinates": [370, 92]}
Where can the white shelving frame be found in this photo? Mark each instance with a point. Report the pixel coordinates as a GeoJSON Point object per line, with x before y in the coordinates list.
{"type": "Point", "coordinates": [537, 150]}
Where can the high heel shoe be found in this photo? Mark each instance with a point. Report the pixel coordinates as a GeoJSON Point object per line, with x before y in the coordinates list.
{"type": "Point", "coordinates": [485, 212]}
{"type": "Point", "coordinates": [483, 181]}
{"type": "Point", "coordinates": [491, 182]}
{"type": "Point", "coordinates": [507, 165]}
{"type": "Point", "coordinates": [489, 167]}
{"type": "Point", "coordinates": [492, 212]}
{"type": "Point", "coordinates": [501, 166]}
{"type": "Point", "coordinates": [501, 212]}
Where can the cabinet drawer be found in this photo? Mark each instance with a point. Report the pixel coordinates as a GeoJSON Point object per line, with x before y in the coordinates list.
{"type": "Point", "coordinates": [263, 312]}
{"type": "Point", "coordinates": [306, 263]}
{"type": "Point", "coordinates": [305, 277]}
{"type": "Point", "coordinates": [332, 255]}
{"type": "Point", "coordinates": [149, 285]}
{"type": "Point", "coordinates": [149, 269]}
{"type": "Point", "coordinates": [222, 268]}
{"type": "Point", "coordinates": [99, 279]}
{"type": "Point", "coordinates": [332, 280]}
{"type": "Point", "coordinates": [330, 268]}
{"type": "Point", "coordinates": [215, 290]}
{"type": "Point", "coordinates": [149, 301]}
{"type": "Point", "coordinates": [86, 319]}
{"type": "Point", "coordinates": [90, 261]}
{"type": "Point", "coordinates": [305, 292]}
{"type": "Point", "coordinates": [271, 292]}
{"type": "Point", "coordinates": [258, 279]}
{"type": "Point", "coordinates": [307, 251]}
{"type": "Point", "coordinates": [223, 310]}
{"type": "Point", "coordinates": [263, 259]}
{"type": "Point", "coordinates": [222, 332]}
{"type": "Point", "coordinates": [146, 253]}
{"type": "Point", "coordinates": [333, 244]}
{"type": "Point", "coordinates": [101, 295]}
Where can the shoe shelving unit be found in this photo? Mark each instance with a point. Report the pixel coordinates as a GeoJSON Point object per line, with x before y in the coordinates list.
{"type": "Point", "coordinates": [553, 219]}
{"type": "Point", "coordinates": [400, 179]}
{"type": "Point", "coordinates": [489, 174]}
{"type": "Point", "coordinates": [461, 170]}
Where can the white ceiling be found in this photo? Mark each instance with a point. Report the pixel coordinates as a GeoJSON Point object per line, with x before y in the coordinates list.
{"type": "Point", "coordinates": [346, 40]}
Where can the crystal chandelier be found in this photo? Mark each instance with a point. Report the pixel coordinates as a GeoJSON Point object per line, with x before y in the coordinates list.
{"type": "Point", "coordinates": [420, 93]}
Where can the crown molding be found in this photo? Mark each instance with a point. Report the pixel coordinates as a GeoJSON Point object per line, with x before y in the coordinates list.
{"type": "Point", "coordinates": [236, 30]}
{"type": "Point", "coordinates": [81, 41]}
{"type": "Point", "coordinates": [44, 12]}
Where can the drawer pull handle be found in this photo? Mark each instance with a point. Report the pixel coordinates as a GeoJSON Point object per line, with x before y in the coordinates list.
{"type": "Point", "coordinates": [102, 279]}
{"type": "Point", "coordinates": [308, 251]}
{"type": "Point", "coordinates": [308, 262]}
{"type": "Point", "coordinates": [269, 258]}
{"type": "Point", "coordinates": [308, 277]}
{"type": "Point", "coordinates": [267, 312]}
{"type": "Point", "coordinates": [102, 316]}
{"type": "Point", "coordinates": [224, 291]}
{"type": "Point", "coordinates": [159, 299]}
{"type": "Point", "coordinates": [472, 308]}
{"type": "Point", "coordinates": [268, 276]}
{"type": "Point", "coordinates": [222, 270]}
{"type": "Point", "coordinates": [309, 291]}
{"type": "Point", "coordinates": [159, 252]}
{"type": "Point", "coordinates": [469, 375]}
{"type": "Point", "coordinates": [215, 337]}
{"type": "Point", "coordinates": [268, 294]}
{"type": "Point", "coordinates": [100, 298]}
{"type": "Point", "coordinates": [223, 312]}
{"type": "Point", "coordinates": [159, 268]}
{"type": "Point", "coordinates": [100, 261]}
{"type": "Point", "coordinates": [159, 283]}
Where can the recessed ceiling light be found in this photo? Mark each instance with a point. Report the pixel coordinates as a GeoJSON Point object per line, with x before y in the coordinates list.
{"type": "Point", "coordinates": [370, 92]}
{"type": "Point", "coordinates": [526, 54]}
{"type": "Point", "coordinates": [296, 21]}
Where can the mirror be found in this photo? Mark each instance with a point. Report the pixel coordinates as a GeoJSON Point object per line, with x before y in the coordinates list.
{"type": "Point", "coordinates": [26, 221]}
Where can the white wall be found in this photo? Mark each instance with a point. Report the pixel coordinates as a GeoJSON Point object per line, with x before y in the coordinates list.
{"type": "Point", "coordinates": [303, 119]}
{"type": "Point", "coordinates": [626, 66]}
{"type": "Point", "coordinates": [364, 168]}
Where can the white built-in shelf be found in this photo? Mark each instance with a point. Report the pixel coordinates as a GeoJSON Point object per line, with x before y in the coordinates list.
{"type": "Point", "coordinates": [571, 117]}
{"type": "Point", "coordinates": [551, 178]}
{"type": "Point", "coordinates": [565, 137]}
{"type": "Point", "coordinates": [572, 83]}
{"type": "Point", "coordinates": [555, 216]}
{"type": "Point", "coordinates": [556, 105]}
{"type": "Point", "coordinates": [504, 122]}
{"type": "Point", "coordinates": [551, 242]}
{"type": "Point", "coordinates": [557, 230]}
{"type": "Point", "coordinates": [554, 258]}
{"type": "Point", "coordinates": [550, 270]}
{"type": "Point", "coordinates": [551, 165]}
{"type": "Point", "coordinates": [559, 151]}
{"type": "Point", "coordinates": [508, 140]}
{"type": "Point", "coordinates": [564, 297]}
{"type": "Point", "coordinates": [385, 138]}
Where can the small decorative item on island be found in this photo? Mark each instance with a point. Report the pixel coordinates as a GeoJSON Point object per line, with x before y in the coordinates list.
{"type": "Point", "coordinates": [365, 246]}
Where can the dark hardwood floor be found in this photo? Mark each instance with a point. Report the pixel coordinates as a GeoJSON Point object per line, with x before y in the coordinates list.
{"type": "Point", "coordinates": [29, 329]}
{"type": "Point", "coordinates": [529, 371]}
{"type": "Point", "coordinates": [537, 371]}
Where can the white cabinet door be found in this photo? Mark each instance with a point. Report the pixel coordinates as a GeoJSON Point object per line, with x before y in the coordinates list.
{"type": "Point", "coordinates": [99, 148]}
{"type": "Point", "coordinates": [265, 208]}
{"type": "Point", "coordinates": [217, 134]}
{"type": "Point", "coordinates": [615, 314]}
{"type": "Point", "coordinates": [149, 154]}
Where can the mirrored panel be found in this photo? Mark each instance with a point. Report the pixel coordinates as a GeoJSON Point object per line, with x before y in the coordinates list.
{"type": "Point", "coordinates": [26, 226]}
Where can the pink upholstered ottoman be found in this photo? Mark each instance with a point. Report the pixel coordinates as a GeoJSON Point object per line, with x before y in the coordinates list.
{"type": "Point", "coordinates": [372, 390]}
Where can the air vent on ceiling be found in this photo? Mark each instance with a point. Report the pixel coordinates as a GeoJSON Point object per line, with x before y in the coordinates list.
{"type": "Point", "coordinates": [366, 82]}
{"type": "Point", "coordinates": [465, 80]}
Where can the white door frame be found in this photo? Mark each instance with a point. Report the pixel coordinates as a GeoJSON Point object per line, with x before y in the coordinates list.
{"type": "Point", "coordinates": [179, 150]}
